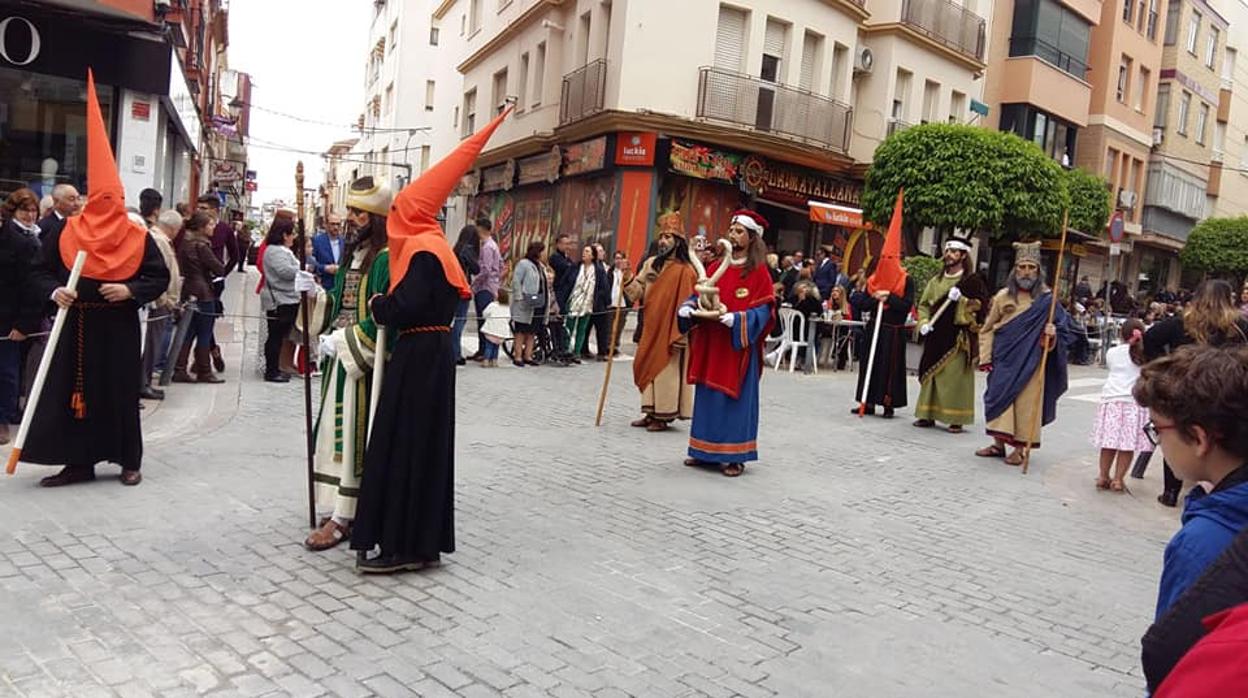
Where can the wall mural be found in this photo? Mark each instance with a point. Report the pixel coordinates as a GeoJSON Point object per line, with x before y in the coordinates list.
{"type": "Point", "coordinates": [518, 217]}
{"type": "Point", "coordinates": [586, 210]}
{"type": "Point", "coordinates": [704, 207]}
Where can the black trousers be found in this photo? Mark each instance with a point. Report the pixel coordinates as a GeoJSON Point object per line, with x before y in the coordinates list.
{"type": "Point", "coordinates": [281, 320]}
{"type": "Point", "coordinates": [602, 329]}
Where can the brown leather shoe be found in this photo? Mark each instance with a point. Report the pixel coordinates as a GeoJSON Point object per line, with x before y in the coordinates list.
{"type": "Point", "coordinates": [657, 425]}
{"type": "Point", "coordinates": [327, 536]}
{"type": "Point", "coordinates": [130, 478]}
{"type": "Point", "coordinates": [639, 423]}
{"type": "Point", "coordinates": [69, 476]}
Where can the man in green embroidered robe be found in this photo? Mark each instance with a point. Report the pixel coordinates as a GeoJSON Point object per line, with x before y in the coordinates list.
{"type": "Point", "coordinates": [950, 340]}
{"type": "Point", "coordinates": [348, 355]}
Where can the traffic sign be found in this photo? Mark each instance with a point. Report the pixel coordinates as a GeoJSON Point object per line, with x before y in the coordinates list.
{"type": "Point", "coordinates": [1116, 227]}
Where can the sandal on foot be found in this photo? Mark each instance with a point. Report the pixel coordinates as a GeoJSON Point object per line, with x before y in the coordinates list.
{"type": "Point", "coordinates": [1102, 483]}
{"type": "Point", "coordinates": [1015, 458]}
{"type": "Point", "coordinates": [327, 536]}
{"type": "Point", "coordinates": [1117, 486]}
{"type": "Point", "coordinates": [955, 429]}
{"type": "Point", "coordinates": [643, 422]}
{"type": "Point", "coordinates": [695, 463]}
{"type": "Point", "coordinates": [732, 469]}
{"type": "Point", "coordinates": [657, 425]}
{"type": "Point", "coordinates": [993, 451]}
{"type": "Point", "coordinates": [924, 423]}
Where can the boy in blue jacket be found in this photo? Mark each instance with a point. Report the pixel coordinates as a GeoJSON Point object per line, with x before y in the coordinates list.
{"type": "Point", "coordinates": [1198, 397]}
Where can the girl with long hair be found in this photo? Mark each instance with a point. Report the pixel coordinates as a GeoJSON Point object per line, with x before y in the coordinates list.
{"type": "Point", "coordinates": [1119, 427]}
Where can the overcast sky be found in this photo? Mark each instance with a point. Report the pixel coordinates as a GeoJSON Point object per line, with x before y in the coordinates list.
{"type": "Point", "coordinates": [313, 68]}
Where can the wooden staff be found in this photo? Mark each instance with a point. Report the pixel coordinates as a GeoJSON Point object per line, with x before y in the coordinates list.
{"type": "Point", "coordinates": [1044, 357]}
{"type": "Point", "coordinates": [45, 362]}
{"type": "Point", "coordinates": [615, 319]}
{"type": "Point", "coordinates": [301, 246]}
{"type": "Point", "coordinates": [875, 342]}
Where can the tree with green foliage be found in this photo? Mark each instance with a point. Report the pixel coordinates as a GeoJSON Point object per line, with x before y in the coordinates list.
{"type": "Point", "coordinates": [966, 177]}
{"type": "Point", "coordinates": [1218, 247]}
{"type": "Point", "coordinates": [921, 269]}
{"type": "Point", "coordinates": [1089, 201]}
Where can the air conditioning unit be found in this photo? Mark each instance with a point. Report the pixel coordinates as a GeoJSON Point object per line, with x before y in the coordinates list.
{"type": "Point", "coordinates": [864, 61]}
{"type": "Point", "coordinates": [1126, 199]}
{"type": "Point", "coordinates": [1159, 136]}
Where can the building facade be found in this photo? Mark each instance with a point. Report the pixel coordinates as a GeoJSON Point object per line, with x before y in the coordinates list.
{"type": "Point", "coordinates": [156, 69]}
{"type": "Point", "coordinates": [1185, 167]}
{"type": "Point", "coordinates": [1230, 136]}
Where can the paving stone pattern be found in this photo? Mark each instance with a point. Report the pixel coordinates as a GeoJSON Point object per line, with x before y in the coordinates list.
{"type": "Point", "coordinates": [861, 558]}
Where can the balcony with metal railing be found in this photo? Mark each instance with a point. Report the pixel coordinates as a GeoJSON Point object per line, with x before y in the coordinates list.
{"type": "Point", "coordinates": [773, 108]}
{"type": "Point", "coordinates": [584, 92]}
{"type": "Point", "coordinates": [946, 23]}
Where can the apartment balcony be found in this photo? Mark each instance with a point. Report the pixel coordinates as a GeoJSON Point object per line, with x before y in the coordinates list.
{"type": "Point", "coordinates": [773, 108]}
{"type": "Point", "coordinates": [895, 125]}
{"type": "Point", "coordinates": [946, 23]}
{"type": "Point", "coordinates": [584, 92]}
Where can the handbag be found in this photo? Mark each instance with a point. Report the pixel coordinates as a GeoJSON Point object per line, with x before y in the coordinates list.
{"type": "Point", "coordinates": [536, 300]}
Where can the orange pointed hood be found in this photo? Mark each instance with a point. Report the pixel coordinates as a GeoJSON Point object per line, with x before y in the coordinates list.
{"type": "Point", "coordinates": [412, 225]}
{"type": "Point", "coordinates": [889, 274]}
{"type": "Point", "coordinates": [114, 244]}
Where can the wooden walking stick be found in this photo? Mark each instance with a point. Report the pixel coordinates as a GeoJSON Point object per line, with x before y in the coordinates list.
{"type": "Point", "coordinates": [45, 361]}
{"type": "Point", "coordinates": [1044, 357]}
{"type": "Point", "coordinates": [301, 246]}
{"type": "Point", "coordinates": [615, 320]}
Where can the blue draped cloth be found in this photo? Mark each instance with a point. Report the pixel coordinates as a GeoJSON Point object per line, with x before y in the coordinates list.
{"type": "Point", "coordinates": [725, 429]}
{"type": "Point", "coordinates": [1016, 352]}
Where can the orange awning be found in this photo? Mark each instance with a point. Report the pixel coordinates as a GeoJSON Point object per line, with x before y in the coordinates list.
{"type": "Point", "coordinates": [835, 215]}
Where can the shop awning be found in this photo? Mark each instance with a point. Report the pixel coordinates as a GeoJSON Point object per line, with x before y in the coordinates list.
{"type": "Point", "coordinates": [833, 214]}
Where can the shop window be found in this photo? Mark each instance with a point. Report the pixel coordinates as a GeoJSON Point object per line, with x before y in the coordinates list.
{"type": "Point", "coordinates": [43, 130]}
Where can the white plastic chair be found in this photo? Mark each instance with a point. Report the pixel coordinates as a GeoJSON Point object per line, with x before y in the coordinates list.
{"type": "Point", "coordinates": [788, 319]}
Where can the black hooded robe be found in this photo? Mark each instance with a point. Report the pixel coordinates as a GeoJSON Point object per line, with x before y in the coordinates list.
{"type": "Point", "coordinates": [105, 336]}
{"type": "Point", "coordinates": [888, 374]}
{"type": "Point", "coordinates": [407, 494]}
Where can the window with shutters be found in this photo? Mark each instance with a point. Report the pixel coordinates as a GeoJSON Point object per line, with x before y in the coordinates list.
{"type": "Point", "coordinates": [523, 89]}
{"type": "Point", "coordinates": [812, 55]}
{"type": "Point", "coordinates": [730, 38]}
{"type": "Point", "coordinates": [774, 40]}
{"type": "Point", "coordinates": [931, 100]}
{"type": "Point", "coordinates": [840, 57]}
{"type": "Point", "coordinates": [539, 74]}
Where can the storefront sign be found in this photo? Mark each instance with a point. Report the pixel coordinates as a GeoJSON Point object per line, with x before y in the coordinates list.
{"type": "Point", "coordinates": [65, 44]}
{"type": "Point", "coordinates": [226, 171]}
{"type": "Point", "coordinates": [468, 184]}
{"type": "Point", "coordinates": [141, 111]}
{"type": "Point", "coordinates": [586, 156]}
{"type": "Point", "coordinates": [635, 149]}
{"type": "Point", "coordinates": [704, 162]}
{"type": "Point", "coordinates": [498, 177]}
{"type": "Point", "coordinates": [19, 51]}
{"type": "Point", "coordinates": [835, 215]}
{"type": "Point", "coordinates": [540, 168]}
{"type": "Point", "coordinates": [796, 185]}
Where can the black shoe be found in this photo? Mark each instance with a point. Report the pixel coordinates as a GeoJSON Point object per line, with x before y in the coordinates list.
{"type": "Point", "coordinates": [277, 378]}
{"type": "Point", "coordinates": [461, 361]}
{"type": "Point", "coordinates": [149, 393]}
{"type": "Point", "coordinates": [1169, 498]}
{"type": "Point", "coordinates": [531, 362]}
{"type": "Point", "coordinates": [385, 564]}
{"type": "Point", "coordinates": [517, 364]}
{"type": "Point", "coordinates": [69, 476]}
{"type": "Point", "coordinates": [888, 413]}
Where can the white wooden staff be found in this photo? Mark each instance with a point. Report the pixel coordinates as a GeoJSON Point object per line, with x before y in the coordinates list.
{"type": "Point", "coordinates": [36, 389]}
{"type": "Point", "coordinates": [379, 372]}
{"type": "Point", "coordinates": [875, 342]}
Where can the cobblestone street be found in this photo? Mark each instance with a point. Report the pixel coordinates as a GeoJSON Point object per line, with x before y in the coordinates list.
{"type": "Point", "coordinates": [858, 558]}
